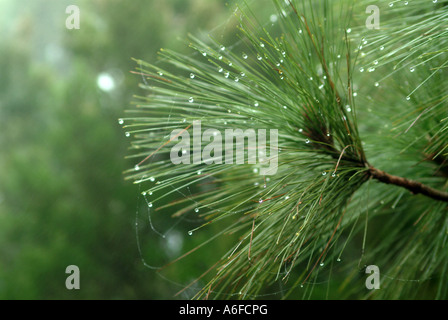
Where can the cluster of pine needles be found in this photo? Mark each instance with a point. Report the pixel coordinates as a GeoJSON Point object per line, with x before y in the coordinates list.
{"type": "Point", "coordinates": [362, 148]}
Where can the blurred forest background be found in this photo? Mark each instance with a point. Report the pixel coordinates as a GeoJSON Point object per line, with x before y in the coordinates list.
{"type": "Point", "coordinates": [63, 199]}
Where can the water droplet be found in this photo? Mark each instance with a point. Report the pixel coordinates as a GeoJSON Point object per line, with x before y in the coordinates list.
{"type": "Point", "coordinates": [242, 74]}
{"type": "Point", "coordinates": [255, 170]}
{"type": "Point", "coordinates": [287, 197]}
{"type": "Point", "coordinates": [285, 107]}
{"type": "Point", "coordinates": [377, 84]}
{"type": "Point", "coordinates": [349, 30]}
{"type": "Point", "coordinates": [348, 108]}
{"type": "Point", "coordinates": [300, 130]}
{"type": "Point", "coordinates": [244, 56]}
{"type": "Point", "coordinates": [204, 54]}
{"type": "Point", "coordinates": [259, 58]}
{"type": "Point", "coordinates": [220, 57]}
{"type": "Point", "coordinates": [434, 1]}
{"type": "Point", "coordinates": [375, 62]}
{"type": "Point", "coordinates": [237, 79]}
{"type": "Point", "coordinates": [322, 264]}
{"type": "Point", "coordinates": [382, 48]}
{"type": "Point", "coordinates": [273, 18]}
{"type": "Point", "coordinates": [137, 167]}
{"type": "Point", "coordinates": [307, 141]}
{"type": "Point", "coordinates": [222, 48]}
{"type": "Point", "coordinates": [262, 44]}
{"type": "Point", "coordinates": [220, 70]}
{"type": "Point", "coordinates": [391, 4]}
{"type": "Point", "coordinates": [321, 86]}
{"type": "Point", "coordinates": [191, 76]}
{"type": "Point", "coordinates": [324, 173]}
{"type": "Point", "coordinates": [301, 286]}
{"type": "Point", "coordinates": [256, 104]}
{"type": "Point", "coordinates": [191, 100]}
{"type": "Point", "coordinates": [408, 98]}
{"type": "Point", "coordinates": [127, 134]}
{"type": "Point", "coordinates": [371, 69]}
{"type": "Point", "coordinates": [230, 64]}
{"type": "Point", "coordinates": [361, 69]}
{"type": "Point", "coordinates": [412, 69]}
{"type": "Point", "coordinates": [150, 204]}
{"type": "Point", "coordinates": [283, 53]}
{"type": "Point", "coordinates": [260, 201]}
{"type": "Point", "coordinates": [406, 3]}
{"type": "Point", "coordinates": [355, 94]}
{"type": "Point", "coordinates": [190, 233]}
{"type": "Point", "coordinates": [339, 56]}
{"type": "Point", "coordinates": [199, 172]}
{"type": "Point", "coordinates": [333, 174]}
{"type": "Point", "coordinates": [338, 260]}
{"type": "Point", "coordinates": [120, 121]}
{"type": "Point", "coordinates": [226, 74]}
{"type": "Point", "coordinates": [160, 73]}
{"type": "Point", "coordinates": [150, 193]}
{"type": "Point", "coordinates": [152, 179]}
{"type": "Point", "coordinates": [196, 210]}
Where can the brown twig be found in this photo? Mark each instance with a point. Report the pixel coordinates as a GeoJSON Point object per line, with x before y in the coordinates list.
{"type": "Point", "coordinates": [414, 186]}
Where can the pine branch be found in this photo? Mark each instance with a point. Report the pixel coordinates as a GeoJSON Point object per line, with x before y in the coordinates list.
{"type": "Point", "coordinates": [414, 186]}
{"type": "Point", "coordinates": [298, 81]}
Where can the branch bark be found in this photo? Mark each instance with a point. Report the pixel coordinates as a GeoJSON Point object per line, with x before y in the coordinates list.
{"type": "Point", "coordinates": [414, 186]}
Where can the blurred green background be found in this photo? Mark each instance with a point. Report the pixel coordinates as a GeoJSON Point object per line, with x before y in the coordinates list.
{"type": "Point", "coordinates": [63, 199]}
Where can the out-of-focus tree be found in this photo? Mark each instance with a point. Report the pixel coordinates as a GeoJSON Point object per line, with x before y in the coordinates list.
{"type": "Point", "coordinates": [63, 200]}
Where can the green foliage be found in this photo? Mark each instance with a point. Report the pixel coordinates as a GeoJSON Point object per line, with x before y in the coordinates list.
{"type": "Point", "coordinates": [344, 99]}
{"type": "Point", "coordinates": [63, 200]}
